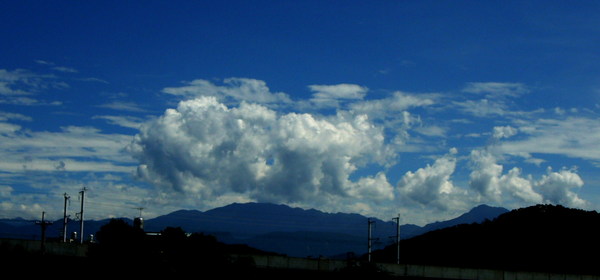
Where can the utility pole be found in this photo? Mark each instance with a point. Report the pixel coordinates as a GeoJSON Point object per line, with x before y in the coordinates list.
{"type": "Point", "coordinates": [397, 219]}
{"type": "Point", "coordinates": [43, 224]}
{"type": "Point", "coordinates": [370, 222]}
{"type": "Point", "coordinates": [82, 192]}
{"type": "Point", "coordinates": [65, 218]}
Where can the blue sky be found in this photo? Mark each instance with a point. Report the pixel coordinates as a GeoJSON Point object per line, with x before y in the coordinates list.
{"type": "Point", "coordinates": [424, 108]}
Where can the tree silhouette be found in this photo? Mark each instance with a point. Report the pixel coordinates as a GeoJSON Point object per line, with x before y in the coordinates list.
{"type": "Point", "coordinates": [118, 232]}
{"type": "Point", "coordinates": [120, 246]}
{"type": "Point", "coordinates": [549, 238]}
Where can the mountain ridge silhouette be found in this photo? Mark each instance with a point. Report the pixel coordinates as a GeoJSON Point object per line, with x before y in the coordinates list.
{"type": "Point", "coordinates": [269, 227]}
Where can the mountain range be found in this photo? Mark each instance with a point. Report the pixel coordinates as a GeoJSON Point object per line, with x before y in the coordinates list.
{"type": "Point", "coordinates": [271, 227]}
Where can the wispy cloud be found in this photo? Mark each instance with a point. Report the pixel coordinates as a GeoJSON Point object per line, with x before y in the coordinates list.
{"type": "Point", "coordinates": [123, 106]}
{"type": "Point", "coordinates": [496, 89]}
{"type": "Point", "coordinates": [482, 108]}
{"type": "Point", "coordinates": [43, 62]}
{"type": "Point", "coordinates": [124, 121]}
{"type": "Point", "coordinates": [26, 101]}
{"type": "Point", "coordinates": [92, 79]}
{"type": "Point", "coordinates": [6, 116]}
{"type": "Point", "coordinates": [497, 101]}
{"type": "Point", "coordinates": [392, 106]}
{"type": "Point", "coordinates": [332, 95]}
{"type": "Point", "coordinates": [20, 87]}
{"type": "Point", "coordinates": [65, 69]}
{"type": "Point", "coordinates": [79, 148]}
{"type": "Point", "coordinates": [11, 81]}
{"type": "Point", "coordinates": [575, 137]}
{"type": "Point", "coordinates": [233, 89]}
{"type": "Point", "coordinates": [432, 130]}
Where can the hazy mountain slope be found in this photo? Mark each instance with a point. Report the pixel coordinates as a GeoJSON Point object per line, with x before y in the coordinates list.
{"type": "Point", "coordinates": [299, 232]}
{"type": "Point", "coordinates": [476, 215]}
{"type": "Point", "coordinates": [270, 227]}
{"type": "Point", "coordinates": [250, 219]}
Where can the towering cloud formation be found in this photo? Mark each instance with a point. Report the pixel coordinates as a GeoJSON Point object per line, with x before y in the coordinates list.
{"type": "Point", "coordinates": [207, 149]}
{"type": "Point", "coordinates": [237, 141]}
{"type": "Point", "coordinates": [431, 185]}
{"type": "Point", "coordinates": [554, 187]}
{"type": "Point", "coordinates": [489, 182]}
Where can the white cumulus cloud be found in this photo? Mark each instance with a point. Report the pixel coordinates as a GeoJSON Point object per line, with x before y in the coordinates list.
{"type": "Point", "coordinates": [504, 132]}
{"type": "Point", "coordinates": [557, 187]}
{"type": "Point", "coordinates": [489, 181]}
{"type": "Point", "coordinates": [209, 150]}
{"type": "Point", "coordinates": [431, 185]}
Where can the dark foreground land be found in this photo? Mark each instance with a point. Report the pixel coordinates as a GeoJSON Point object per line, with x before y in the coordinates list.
{"type": "Point", "coordinates": [125, 252]}
{"type": "Point", "coordinates": [37, 265]}
{"type": "Point", "coordinates": [541, 238]}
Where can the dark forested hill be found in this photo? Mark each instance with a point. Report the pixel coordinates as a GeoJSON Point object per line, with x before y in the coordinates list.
{"type": "Point", "coordinates": [537, 238]}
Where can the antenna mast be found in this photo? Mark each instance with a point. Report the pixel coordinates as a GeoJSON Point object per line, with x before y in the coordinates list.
{"type": "Point", "coordinates": [139, 208]}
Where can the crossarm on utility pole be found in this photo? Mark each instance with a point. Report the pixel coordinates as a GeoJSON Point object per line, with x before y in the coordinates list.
{"type": "Point", "coordinates": [43, 224]}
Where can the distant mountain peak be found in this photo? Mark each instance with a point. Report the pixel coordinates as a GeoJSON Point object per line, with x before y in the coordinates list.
{"type": "Point", "coordinates": [480, 207]}
{"type": "Point", "coordinates": [477, 214]}
{"type": "Point", "coordinates": [485, 207]}
{"type": "Point", "coordinates": [482, 212]}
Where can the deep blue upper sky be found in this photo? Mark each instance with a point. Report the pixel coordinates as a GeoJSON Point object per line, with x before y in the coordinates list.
{"type": "Point", "coordinates": [376, 107]}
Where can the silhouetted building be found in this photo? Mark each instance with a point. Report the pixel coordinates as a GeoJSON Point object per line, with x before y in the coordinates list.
{"type": "Point", "coordinates": [138, 223]}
